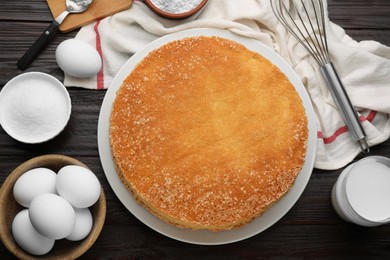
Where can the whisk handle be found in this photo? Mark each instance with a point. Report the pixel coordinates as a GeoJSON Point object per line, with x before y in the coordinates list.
{"type": "Point", "coordinates": [342, 101]}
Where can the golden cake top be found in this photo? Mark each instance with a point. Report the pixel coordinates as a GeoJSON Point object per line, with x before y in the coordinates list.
{"type": "Point", "coordinates": [207, 134]}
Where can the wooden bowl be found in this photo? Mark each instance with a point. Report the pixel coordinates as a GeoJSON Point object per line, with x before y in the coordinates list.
{"type": "Point", "coordinates": [170, 15]}
{"type": "Point", "coordinates": [63, 249]}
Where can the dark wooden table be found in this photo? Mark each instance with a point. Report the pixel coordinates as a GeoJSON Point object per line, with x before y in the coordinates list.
{"type": "Point", "coordinates": [310, 230]}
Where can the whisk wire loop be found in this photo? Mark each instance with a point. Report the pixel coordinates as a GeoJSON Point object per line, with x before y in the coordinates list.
{"type": "Point", "coordinates": [323, 32]}
{"type": "Point", "coordinates": [315, 37]}
{"type": "Point", "coordinates": [310, 34]}
{"type": "Point", "coordinates": [305, 20]}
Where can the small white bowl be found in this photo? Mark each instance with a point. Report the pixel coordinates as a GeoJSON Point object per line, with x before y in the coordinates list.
{"type": "Point", "coordinates": [34, 107]}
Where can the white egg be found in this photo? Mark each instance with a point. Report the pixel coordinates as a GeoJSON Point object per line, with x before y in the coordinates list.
{"type": "Point", "coordinates": [78, 58]}
{"type": "Point", "coordinates": [27, 237]}
{"type": "Point", "coordinates": [52, 216]}
{"type": "Point", "coordinates": [78, 185]}
{"type": "Point", "coordinates": [83, 225]}
{"type": "Point", "coordinates": [33, 183]}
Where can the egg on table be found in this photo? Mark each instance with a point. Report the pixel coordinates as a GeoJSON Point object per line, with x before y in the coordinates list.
{"type": "Point", "coordinates": [83, 225]}
{"type": "Point", "coordinates": [33, 183]}
{"type": "Point", "coordinates": [27, 237]}
{"type": "Point", "coordinates": [78, 185]}
{"type": "Point", "coordinates": [78, 58]}
{"type": "Point", "coordinates": [52, 216]}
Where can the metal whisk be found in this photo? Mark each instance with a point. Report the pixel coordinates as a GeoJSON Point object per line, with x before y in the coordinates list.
{"type": "Point", "coordinates": [305, 20]}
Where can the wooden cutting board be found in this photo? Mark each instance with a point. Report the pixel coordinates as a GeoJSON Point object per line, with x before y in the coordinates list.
{"type": "Point", "coordinates": [97, 10]}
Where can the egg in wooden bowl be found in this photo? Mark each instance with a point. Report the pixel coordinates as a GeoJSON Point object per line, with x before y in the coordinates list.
{"type": "Point", "coordinates": [42, 223]}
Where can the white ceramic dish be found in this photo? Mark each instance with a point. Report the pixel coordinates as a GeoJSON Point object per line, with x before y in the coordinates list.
{"type": "Point", "coordinates": [205, 237]}
{"type": "Point", "coordinates": [34, 107]}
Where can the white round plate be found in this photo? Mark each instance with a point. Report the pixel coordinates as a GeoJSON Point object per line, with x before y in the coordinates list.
{"type": "Point", "coordinates": [203, 237]}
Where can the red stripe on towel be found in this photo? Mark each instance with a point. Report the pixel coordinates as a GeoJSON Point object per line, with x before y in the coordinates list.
{"type": "Point", "coordinates": [100, 75]}
{"type": "Point", "coordinates": [370, 116]}
{"type": "Point", "coordinates": [344, 129]}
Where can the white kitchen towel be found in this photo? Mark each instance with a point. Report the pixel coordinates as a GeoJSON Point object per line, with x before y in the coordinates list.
{"type": "Point", "coordinates": [364, 67]}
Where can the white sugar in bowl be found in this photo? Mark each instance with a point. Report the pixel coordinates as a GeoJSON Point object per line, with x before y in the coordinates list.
{"type": "Point", "coordinates": [34, 107]}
